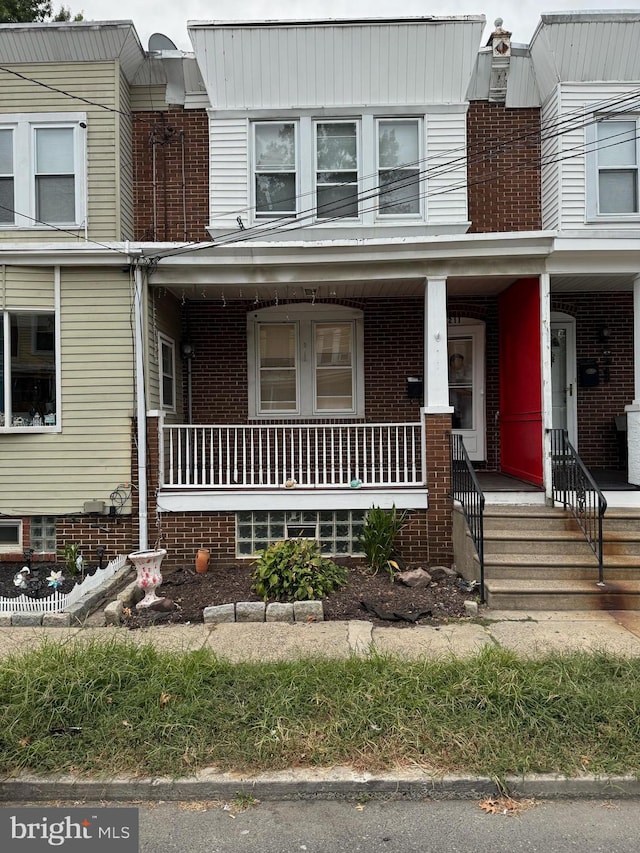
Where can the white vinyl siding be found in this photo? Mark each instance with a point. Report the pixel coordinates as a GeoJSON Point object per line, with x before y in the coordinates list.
{"type": "Point", "coordinates": [578, 105]}
{"type": "Point", "coordinates": [445, 183]}
{"type": "Point", "coordinates": [229, 171]}
{"type": "Point", "coordinates": [55, 473]}
{"type": "Point", "coordinates": [551, 166]}
{"type": "Point", "coordinates": [94, 81]}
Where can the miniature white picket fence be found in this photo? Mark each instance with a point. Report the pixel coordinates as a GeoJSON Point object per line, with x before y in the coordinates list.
{"type": "Point", "coordinates": [57, 601]}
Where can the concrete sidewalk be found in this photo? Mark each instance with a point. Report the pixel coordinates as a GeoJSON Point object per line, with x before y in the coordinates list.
{"type": "Point", "coordinates": [527, 633]}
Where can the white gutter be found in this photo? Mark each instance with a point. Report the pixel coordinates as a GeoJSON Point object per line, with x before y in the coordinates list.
{"type": "Point", "coordinates": [140, 407]}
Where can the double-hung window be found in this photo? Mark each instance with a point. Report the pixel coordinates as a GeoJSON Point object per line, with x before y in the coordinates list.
{"type": "Point", "coordinates": [275, 169]}
{"type": "Point", "coordinates": [28, 369]}
{"type": "Point", "coordinates": [398, 167]}
{"type": "Point", "coordinates": [617, 158]}
{"type": "Point", "coordinates": [42, 170]}
{"type": "Point", "coordinates": [336, 169]}
{"type": "Point", "coordinates": [305, 363]}
{"type": "Point", "coordinates": [167, 349]}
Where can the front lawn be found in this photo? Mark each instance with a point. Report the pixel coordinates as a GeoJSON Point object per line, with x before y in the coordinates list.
{"type": "Point", "coordinates": [111, 707]}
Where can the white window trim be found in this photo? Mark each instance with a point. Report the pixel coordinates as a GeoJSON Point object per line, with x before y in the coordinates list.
{"type": "Point", "coordinates": [164, 340]}
{"type": "Point", "coordinates": [24, 126]}
{"type": "Point", "coordinates": [330, 219]}
{"type": "Point", "coordinates": [5, 314]}
{"type": "Point", "coordinates": [305, 315]}
{"type": "Point", "coordinates": [267, 216]}
{"type": "Point", "coordinates": [367, 141]}
{"type": "Point", "coordinates": [392, 217]}
{"type": "Point", "coordinates": [12, 549]}
{"type": "Point", "coordinates": [592, 171]}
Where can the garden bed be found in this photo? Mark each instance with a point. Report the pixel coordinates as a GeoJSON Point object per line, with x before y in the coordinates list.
{"type": "Point", "coordinates": [372, 597]}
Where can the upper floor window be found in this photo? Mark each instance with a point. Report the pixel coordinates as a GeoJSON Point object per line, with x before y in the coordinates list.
{"type": "Point", "coordinates": [398, 167]}
{"type": "Point", "coordinates": [275, 169]}
{"type": "Point", "coordinates": [305, 361]}
{"type": "Point", "coordinates": [336, 169]}
{"type": "Point", "coordinates": [28, 369]}
{"type": "Point", "coordinates": [618, 166]}
{"type": "Point", "coordinates": [42, 166]}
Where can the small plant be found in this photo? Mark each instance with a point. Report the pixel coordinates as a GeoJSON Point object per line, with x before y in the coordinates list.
{"type": "Point", "coordinates": [377, 539]}
{"type": "Point", "coordinates": [72, 558]}
{"type": "Point", "coordinates": [295, 570]}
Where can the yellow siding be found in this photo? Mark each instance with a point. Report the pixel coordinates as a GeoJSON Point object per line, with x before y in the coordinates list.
{"type": "Point", "coordinates": [164, 317]}
{"type": "Point", "coordinates": [125, 146]}
{"type": "Point", "coordinates": [51, 474]}
{"type": "Point", "coordinates": [144, 98]}
{"type": "Point", "coordinates": [97, 82]}
{"type": "Point", "coordinates": [26, 287]}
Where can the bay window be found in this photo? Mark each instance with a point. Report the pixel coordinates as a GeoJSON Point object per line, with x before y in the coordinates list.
{"type": "Point", "coordinates": [398, 167]}
{"type": "Point", "coordinates": [28, 376]}
{"type": "Point", "coordinates": [42, 169]}
{"type": "Point", "coordinates": [305, 361]}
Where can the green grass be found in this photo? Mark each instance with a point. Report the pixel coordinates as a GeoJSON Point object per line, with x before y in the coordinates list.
{"type": "Point", "coordinates": [143, 711]}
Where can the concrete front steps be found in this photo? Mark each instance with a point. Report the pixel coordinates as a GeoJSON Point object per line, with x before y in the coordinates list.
{"type": "Point", "coordinates": [536, 558]}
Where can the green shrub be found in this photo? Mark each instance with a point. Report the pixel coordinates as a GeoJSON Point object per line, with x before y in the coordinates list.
{"type": "Point", "coordinates": [377, 539]}
{"type": "Point", "coordinates": [295, 570]}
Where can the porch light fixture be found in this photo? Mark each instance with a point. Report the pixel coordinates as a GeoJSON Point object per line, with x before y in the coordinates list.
{"type": "Point", "coordinates": [186, 350]}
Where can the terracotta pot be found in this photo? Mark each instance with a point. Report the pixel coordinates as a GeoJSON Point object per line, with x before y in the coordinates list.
{"type": "Point", "coordinates": [202, 560]}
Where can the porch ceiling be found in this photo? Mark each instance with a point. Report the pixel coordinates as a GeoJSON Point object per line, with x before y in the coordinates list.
{"type": "Point", "coordinates": [306, 291]}
{"type": "Point", "coordinates": [592, 283]}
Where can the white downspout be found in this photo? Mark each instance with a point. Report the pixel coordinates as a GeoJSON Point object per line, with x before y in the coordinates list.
{"type": "Point", "coordinates": [141, 413]}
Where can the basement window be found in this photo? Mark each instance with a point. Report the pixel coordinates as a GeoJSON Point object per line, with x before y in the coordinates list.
{"type": "Point", "coordinates": [10, 536]}
{"type": "Point", "coordinates": [337, 531]}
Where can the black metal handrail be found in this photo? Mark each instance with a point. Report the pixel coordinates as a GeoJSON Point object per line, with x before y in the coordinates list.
{"type": "Point", "coordinates": [574, 487]}
{"type": "Point", "coordinates": [465, 488]}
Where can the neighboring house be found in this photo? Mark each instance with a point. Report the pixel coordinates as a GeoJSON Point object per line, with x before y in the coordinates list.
{"type": "Point", "coordinates": [351, 237]}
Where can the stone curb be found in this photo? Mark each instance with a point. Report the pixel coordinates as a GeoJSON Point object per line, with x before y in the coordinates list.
{"type": "Point", "coordinates": [74, 615]}
{"type": "Point", "coordinates": [334, 784]}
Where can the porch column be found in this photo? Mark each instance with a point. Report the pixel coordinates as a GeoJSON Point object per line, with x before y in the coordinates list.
{"type": "Point", "coordinates": [437, 423]}
{"type": "Point", "coordinates": [633, 410]}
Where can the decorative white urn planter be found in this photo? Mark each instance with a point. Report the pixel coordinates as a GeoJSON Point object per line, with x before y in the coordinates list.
{"type": "Point", "coordinates": [149, 577]}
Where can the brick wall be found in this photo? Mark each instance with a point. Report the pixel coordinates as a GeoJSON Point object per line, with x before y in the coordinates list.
{"type": "Point", "coordinates": [503, 168]}
{"type": "Point", "coordinates": [168, 136]}
{"type": "Point", "coordinates": [597, 406]}
{"type": "Point", "coordinates": [439, 542]}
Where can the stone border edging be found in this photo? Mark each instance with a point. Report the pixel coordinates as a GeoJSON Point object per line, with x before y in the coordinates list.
{"type": "Point", "coordinates": [243, 611]}
{"type": "Point", "coordinates": [74, 615]}
{"type": "Point", "coordinates": [315, 784]}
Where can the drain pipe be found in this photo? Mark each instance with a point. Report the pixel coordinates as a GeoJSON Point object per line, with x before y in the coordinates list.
{"type": "Point", "coordinates": [141, 413]}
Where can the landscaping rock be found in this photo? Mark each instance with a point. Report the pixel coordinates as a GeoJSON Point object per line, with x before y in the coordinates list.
{"type": "Point", "coordinates": [26, 620]}
{"type": "Point", "coordinates": [308, 611]}
{"type": "Point", "coordinates": [219, 613]}
{"type": "Point", "coordinates": [113, 612]}
{"type": "Point", "coordinates": [162, 605]}
{"type": "Point", "coordinates": [131, 594]}
{"type": "Point", "coordinates": [439, 573]}
{"type": "Point", "coordinates": [279, 612]}
{"type": "Point", "coordinates": [56, 620]}
{"type": "Point", "coordinates": [5, 620]}
{"type": "Point", "coordinates": [471, 608]}
{"type": "Point", "coordinates": [416, 578]}
{"type": "Point", "coordinates": [250, 611]}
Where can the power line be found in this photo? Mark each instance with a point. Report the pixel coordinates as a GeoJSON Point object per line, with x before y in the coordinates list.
{"type": "Point", "coordinates": [561, 127]}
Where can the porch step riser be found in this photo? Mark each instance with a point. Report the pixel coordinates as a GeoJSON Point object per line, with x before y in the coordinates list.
{"type": "Point", "coordinates": [498, 524]}
{"type": "Point", "coordinates": [562, 601]}
{"type": "Point", "coordinates": [555, 573]}
{"type": "Point", "coordinates": [531, 549]}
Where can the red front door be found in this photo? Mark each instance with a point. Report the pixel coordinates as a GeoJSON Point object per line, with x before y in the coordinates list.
{"type": "Point", "coordinates": [521, 381]}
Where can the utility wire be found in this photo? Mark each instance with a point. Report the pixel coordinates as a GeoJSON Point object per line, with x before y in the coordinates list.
{"type": "Point", "coordinates": [295, 222]}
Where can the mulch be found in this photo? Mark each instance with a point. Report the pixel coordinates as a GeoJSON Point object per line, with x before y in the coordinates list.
{"type": "Point", "coordinates": [366, 596]}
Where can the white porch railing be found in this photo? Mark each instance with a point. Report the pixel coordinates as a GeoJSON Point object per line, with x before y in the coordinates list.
{"type": "Point", "coordinates": [271, 455]}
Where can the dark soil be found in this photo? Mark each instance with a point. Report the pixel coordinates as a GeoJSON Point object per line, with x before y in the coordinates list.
{"type": "Point", "coordinates": [37, 584]}
{"type": "Point", "coordinates": [370, 597]}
